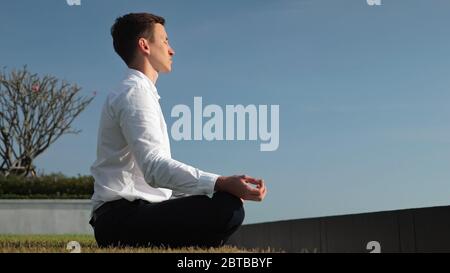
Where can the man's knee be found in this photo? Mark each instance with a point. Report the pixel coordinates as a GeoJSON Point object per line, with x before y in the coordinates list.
{"type": "Point", "coordinates": [238, 216]}
{"type": "Point", "coordinates": [231, 211]}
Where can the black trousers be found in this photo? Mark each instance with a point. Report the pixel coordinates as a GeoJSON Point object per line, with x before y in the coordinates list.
{"type": "Point", "coordinates": [188, 221]}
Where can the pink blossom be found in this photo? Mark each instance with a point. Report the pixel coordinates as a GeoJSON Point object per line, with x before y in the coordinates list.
{"type": "Point", "coordinates": [35, 87]}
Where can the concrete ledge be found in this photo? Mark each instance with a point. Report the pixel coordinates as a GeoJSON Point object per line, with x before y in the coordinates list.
{"type": "Point", "coordinates": [23, 216]}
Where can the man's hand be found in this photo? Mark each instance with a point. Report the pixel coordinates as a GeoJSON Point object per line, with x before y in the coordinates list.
{"type": "Point", "coordinates": [241, 186]}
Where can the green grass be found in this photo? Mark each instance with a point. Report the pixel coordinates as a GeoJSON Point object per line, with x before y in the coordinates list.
{"type": "Point", "coordinates": [58, 244]}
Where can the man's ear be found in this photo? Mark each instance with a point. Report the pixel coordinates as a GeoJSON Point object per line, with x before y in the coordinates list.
{"type": "Point", "coordinates": [144, 45]}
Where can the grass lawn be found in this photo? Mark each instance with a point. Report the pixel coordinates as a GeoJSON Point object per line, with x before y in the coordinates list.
{"type": "Point", "coordinates": [58, 244]}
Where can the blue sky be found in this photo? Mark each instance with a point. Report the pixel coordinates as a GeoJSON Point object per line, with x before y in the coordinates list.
{"type": "Point", "coordinates": [363, 92]}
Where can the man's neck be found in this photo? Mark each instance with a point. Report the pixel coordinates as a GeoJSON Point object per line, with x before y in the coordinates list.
{"type": "Point", "coordinates": [148, 70]}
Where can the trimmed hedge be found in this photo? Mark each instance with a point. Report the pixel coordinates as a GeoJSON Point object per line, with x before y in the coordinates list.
{"type": "Point", "coordinates": [54, 186]}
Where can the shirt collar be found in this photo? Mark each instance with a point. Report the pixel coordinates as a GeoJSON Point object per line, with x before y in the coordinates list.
{"type": "Point", "coordinates": [145, 79]}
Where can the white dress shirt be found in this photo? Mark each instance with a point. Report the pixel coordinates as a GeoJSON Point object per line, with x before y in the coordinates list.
{"type": "Point", "coordinates": [133, 149]}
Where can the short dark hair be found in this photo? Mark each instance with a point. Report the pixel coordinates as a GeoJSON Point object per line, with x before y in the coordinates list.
{"type": "Point", "coordinates": [128, 29]}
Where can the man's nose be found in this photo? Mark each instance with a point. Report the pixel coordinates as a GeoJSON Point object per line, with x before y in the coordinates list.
{"type": "Point", "coordinates": [171, 51]}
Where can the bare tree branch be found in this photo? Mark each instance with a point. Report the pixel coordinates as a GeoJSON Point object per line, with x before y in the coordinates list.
{"type": "Point", "coordinates": [35, 112]}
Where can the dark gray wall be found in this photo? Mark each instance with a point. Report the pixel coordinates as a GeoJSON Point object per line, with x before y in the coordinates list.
{"type": "Point", "coordinates": [411, 230]}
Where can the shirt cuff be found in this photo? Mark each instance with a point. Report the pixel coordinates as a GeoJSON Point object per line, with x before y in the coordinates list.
{"type": "Point", "coordinates": [207, 182]}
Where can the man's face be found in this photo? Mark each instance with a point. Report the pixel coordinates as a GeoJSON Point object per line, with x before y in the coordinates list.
{"type": "Point", "coordinates": [160, 51]}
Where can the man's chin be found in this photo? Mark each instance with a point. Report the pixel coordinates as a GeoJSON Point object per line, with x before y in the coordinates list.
{"type": "Point", "coordinates": [165, 70]}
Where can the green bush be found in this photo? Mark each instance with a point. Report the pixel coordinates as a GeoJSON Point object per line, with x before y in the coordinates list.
{"type": "Point", "coordinates": [52, 186]}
